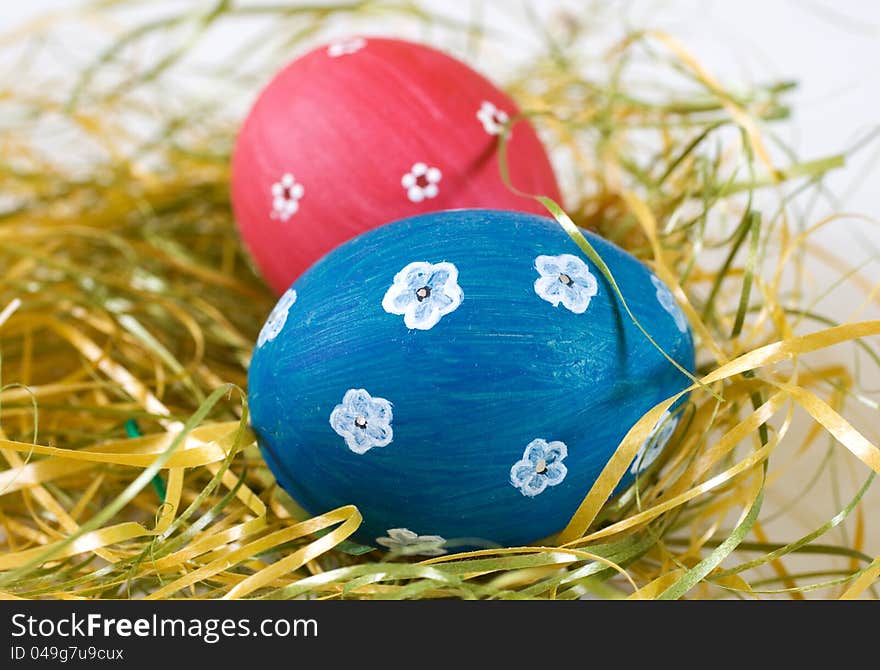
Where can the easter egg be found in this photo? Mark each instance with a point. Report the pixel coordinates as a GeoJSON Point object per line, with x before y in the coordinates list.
{"type": "Point", "coordinates": [462, 375]}
{"type": "Point", "coordinates": [365, 131]}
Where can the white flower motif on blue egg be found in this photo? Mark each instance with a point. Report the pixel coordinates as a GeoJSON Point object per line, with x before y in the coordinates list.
{"type": "Point", "coordinates": [404, 542]}
{"type": "Point", "coordinates": [424, 293]}
{"type": "Point", "coordinates": [277, 318]}
{"type": "Point", "coordinates": [363, 421]}
{"type": "Point", "coordinates": [565, 279]}
{"type": "Point", "coordinates": [653, 445]}
{"type": "Point", "coordinates": [668, 302]}
{"type": "Point", "coordinates": [541, 466]}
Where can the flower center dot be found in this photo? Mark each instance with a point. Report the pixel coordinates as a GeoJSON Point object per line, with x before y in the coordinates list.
{"type": "Point", "coordinates": [423, 293]}
{"type": "Point", "coordinates": [422, 181]}
{"type": "Point", "coordinates": [360, 422]}
{"type": "Point", "coordinates": [541, 466]}
{"type": "Point", "coordinates": [565, 279]}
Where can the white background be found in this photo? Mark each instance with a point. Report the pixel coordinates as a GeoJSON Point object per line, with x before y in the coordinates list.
{"type": "Point", "coordinates": [831, 48]}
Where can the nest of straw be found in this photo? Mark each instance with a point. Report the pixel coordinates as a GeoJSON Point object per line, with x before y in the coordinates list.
{"type": "Point", "coordinates": [128, 311]}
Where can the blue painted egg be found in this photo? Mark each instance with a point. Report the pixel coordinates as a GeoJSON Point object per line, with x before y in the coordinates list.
{"type": "Point", "coordinates": [462, 377]}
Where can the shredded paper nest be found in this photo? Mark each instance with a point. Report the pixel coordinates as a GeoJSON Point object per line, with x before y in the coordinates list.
{"type": "Point", "coordinates": [128, 311]}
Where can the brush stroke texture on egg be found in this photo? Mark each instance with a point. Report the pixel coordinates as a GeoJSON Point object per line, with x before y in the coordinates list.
{"type": "Point", "coordinates": [364, 131]}
{"type": "Point", "coordinates": [483, 423]}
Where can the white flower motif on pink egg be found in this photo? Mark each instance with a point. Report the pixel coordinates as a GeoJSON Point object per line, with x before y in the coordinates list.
{"type": "Point", "coordinates": [421, 182]}
{"type": "Point", "coordinates": [286, 194]}
{"type": "Point", "coordinates": [492, 118]}
{"type": "Point", "coordinates": [346, 46]}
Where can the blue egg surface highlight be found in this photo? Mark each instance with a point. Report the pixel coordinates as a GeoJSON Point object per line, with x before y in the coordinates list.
{"type": "Point", "coordinates": [462, 377]}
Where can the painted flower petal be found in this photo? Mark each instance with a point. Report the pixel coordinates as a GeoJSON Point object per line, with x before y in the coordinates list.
{"type": "Point", "coordinates": [549, 288]}
{"type": "Point", "coordinates": [575, 295]}
{"type": "Point", "coordinates": [433, 175]}
{"type": "Point", "coordinates": [402, 535]}
{"type": "Point", "coordinates": [423, 311]}
{"type": "Point", "coordinates": [535, 451]}
{"type": "Point", "coordinates": [424, 316]}
{"type": "Point", "coordinates": [403, 287]}
{"type": "Point", "coordinates": [431, 551]}
{"type": "Point", "coordinates": [438, 277]}
{"type": "Point", "coordinates": [341, 420]}
{"type": "Point", "coordinates": [379, 409]}
{"type": "Point", "coordinates": [492, 118]}
{"type": "Point", "coordinates": [441, 301]}
{"type": "Point", "coordinates": [667, 429]}
{"type": "Point", "coordinates": [520, 472]}
{"type": "Point", "coordinates": [343, 416]}
{"type": "Point", "coordinates": [418, 169]}
{"type": "Point", "coordinates": [408, 180]}
{"type": "Point", "coordinates": [575, 301]}
{"type": "Point", "coordinates": [358, 441]}
{"type": "Point", "coordinates": [456, 293]}
{"type": "Point", "coordinates": [681, 321]}
{"type": "Point", "coordinates": [573, 266]}
{"type": "Point", "coordinates": [402, 300]}
{"type": "Point", "coordinates": [407, 543]}
{"type": "Point", "coordinates": [431, 191]}
{"type": "Point", "coordinates": [655, 443]}
{"type": "Point", "coordinates": [555, 473]}
{"type": "Point", "coordinates": [488, 124]}
{"type": "Point", "coordinates": [377, 413]}
{"type": "Point", "coordinates": [547, 265]}
{"type": "Point", "coordinates": [346, 47]}
{"type": "Point", "coordinates": [425, 320]}
{"type": "Point", "coordinates": [555, 451]}
{"type": "Point", "coordinates": [670, 304]}
{"type": "Point", "coordinates": [450, 270]}
{"type": "Point", "coordinates": [534, 485]}
{"type": "Point", "coordinates": [355, 400]}
{"type": "Point", "coordinates": [277, 318]}
{"type": "Point", "coordinates": [414, 275]}
{"type": "Point", "coordinates": [445, 296]}
{"type": "Point", "coordinates": [415, 194]}
{"type": "Point", "coordinates": [378, 434]}
{"type": "Point", "coordinates": [524, 474]}
{"type": "Point", "coordinates": [586, 283]}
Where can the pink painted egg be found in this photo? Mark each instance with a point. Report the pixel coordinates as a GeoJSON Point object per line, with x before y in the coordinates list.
{"type": "Point", "coordinates": [365, 131]}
